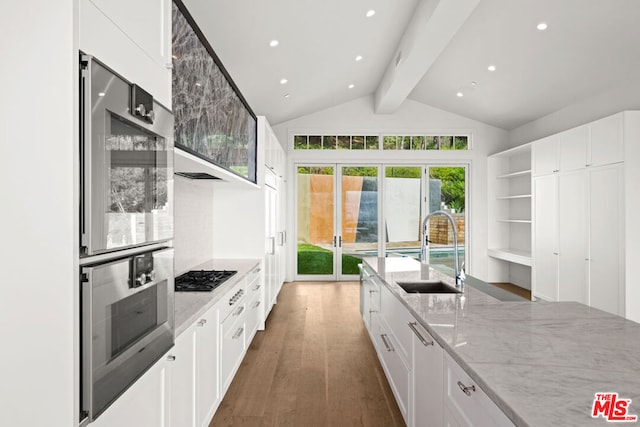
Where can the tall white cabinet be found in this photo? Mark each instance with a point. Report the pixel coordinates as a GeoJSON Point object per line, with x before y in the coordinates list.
{"type": "Point", "coordinates": [579, 213]}
{"type": "Point", "coordinates": [581, 238]}
{"type": "Point", "coordinates": [274, 215]}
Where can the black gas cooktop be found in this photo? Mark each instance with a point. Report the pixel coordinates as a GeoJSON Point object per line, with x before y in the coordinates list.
{"type": "Point", "coordinates": [201, 280]}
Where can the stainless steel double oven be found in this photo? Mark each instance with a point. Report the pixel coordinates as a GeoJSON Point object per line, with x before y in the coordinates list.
{"type": "Point", "coordinates": [126, 220]}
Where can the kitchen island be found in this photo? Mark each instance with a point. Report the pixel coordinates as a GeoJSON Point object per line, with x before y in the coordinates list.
{"type": "Point", "coordinates": [541, 363]}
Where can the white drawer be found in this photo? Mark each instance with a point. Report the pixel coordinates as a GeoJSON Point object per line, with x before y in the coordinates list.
{"type": "Point", "coordinates": [254, 317]}
{"type": "Point", "coordinates": [466, 402]}
{"type": "Point", "coordinates": [234, 297]}
{"type": "Point", "coordinates": [233, 331]}
{"type": "Point", "coordinates": [394, 364]}
{"type": "Point", "coordinates": [398, 318]}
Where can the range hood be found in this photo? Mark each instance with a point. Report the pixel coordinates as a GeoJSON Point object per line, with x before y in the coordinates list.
{"type": "Point", "coordinates": [193, 167]}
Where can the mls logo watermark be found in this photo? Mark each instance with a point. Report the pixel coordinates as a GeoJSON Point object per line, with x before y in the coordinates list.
{"type": "Point", "coordinates": [612, 408]}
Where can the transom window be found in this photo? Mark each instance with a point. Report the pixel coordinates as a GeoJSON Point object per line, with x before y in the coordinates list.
{"type": "Point", "coordinates": [373, 142]}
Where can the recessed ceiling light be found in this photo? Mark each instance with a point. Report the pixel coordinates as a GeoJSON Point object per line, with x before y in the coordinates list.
{"type": "Point", "coordinates": [101, 94]}
{"type": "Point", "coordinates": [283, 81]}
{"type": "Point", "coordinates": [286, 95]}
{"type": "Point", "coordinates": [491, 68]}
{"type": "Point", "coordinates": [474, 84]}
{"type": "Point", "coordinates": [370, 13]}
{"type": "Point", "coordinates": [459, 94]}
{"type": "Point", "coordinates": [542, 26]}
{"type": "Point", "coordinates": [359, 58]}
{"type": "Point", "coordinates": [274, 43]}
{"type": "Point", "coordinates": [351, 86]}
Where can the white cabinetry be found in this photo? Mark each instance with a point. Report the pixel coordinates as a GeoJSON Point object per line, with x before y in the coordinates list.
{"type": "Point", "coordinates": [133, 38]}
{"type": "Point", "coordinates": [207, 380]}
{"type": "Point", "coordinates": [509, 204]}
{"type": "Point", "coordinates": [466, 404]}
{"type": "Point", "coordinates": [275, 218]}
{"type": "Point", "coordinates": [232, 314]}
{"type": "Point", "coordinates": [424, 381]}
{"type": "Point", "coordinates": [607, 142]}
{"type": "Point", "coordinates": [143, 404]}
{"type": "Point", "coordinates": [545, 232]}
{"type": "Point", "coordinates": [427, 379]}
{"type": "Point", "coordinates": [182, 380]}
{"type": "Point", "coordinates": [255, 298]}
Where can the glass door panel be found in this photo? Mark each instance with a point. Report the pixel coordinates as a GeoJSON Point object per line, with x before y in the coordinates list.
{"type": "Point", "coordinates": [403, 210]}
{"type": "Point", "coordinates": [447, 192]}
{"type": "Point", "coordinates": [358, 217]}
{"type": "Point", "coordinates": [315, 221]}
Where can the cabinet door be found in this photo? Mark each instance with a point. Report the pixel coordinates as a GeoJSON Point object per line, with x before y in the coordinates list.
{"type": "Point", "coordinates": [606, 260]}
{"type": "Point", "coordinates": [142, 405]}
{"type": "Point", "coordinates": [427, 380]}
{"type": "Point", "coordinates": [182, 372]}
{"type": "Point", "coordinates": [572, 232]}
{"type": "Point", "coordinates": [207, 380]}
{"type": "Point", "coordinates": [572, 148]}
{"type": "Point", "coordinates": [606, 140]}
{"type": "Point", "coordinates": [545, 235]}
{"type": "Point", "coordinates": [544, 156]}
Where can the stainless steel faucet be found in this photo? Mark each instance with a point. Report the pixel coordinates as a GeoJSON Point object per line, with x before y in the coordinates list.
{"type": "Point", "coordinates": [459, 272]}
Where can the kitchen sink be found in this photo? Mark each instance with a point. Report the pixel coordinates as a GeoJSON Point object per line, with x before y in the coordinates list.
{"type": "Point", "coordinates": [428, 287]}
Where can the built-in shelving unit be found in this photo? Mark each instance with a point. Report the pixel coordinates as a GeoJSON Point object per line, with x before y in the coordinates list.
{"type": "Point", "coordinates": [509, 227]}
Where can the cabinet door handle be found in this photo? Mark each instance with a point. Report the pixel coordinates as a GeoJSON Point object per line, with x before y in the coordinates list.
{"type": "Point", "coordinates": [372, 291]}
{"type": "Point", "coordinates": [202, 322]}
{"type": "Point", "coordinates": [171, 358]}
{"type": "Point", "coordinates": [257, 304]}
{"type": "Point", "coordinates": [424, 342]}
{"type": "Point", "coordinates": [257, 287]}
{"type": "Point", "coordinates": [466, 389]}
{"type": "Point", "coordinates": [386, 343]}
{"type": "Point", "coordinates": [237, 334]}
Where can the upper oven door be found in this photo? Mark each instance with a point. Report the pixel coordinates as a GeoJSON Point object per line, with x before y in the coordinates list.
{"type": "Point", "coordinates": [127, 166]}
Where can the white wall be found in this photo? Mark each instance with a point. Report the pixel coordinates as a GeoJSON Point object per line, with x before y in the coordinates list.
{"type": "Point", "coordinates": [193, 241]}
{"type": "Point", "coordinates": [600, 105]}
{"type": "Point", "coordinates": [39, 215]}
{"type": "Point", "coordinates": [357, 116]}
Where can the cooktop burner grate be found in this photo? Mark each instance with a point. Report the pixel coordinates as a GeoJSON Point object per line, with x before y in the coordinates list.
{"type": "Point", "coordinates": [201, 280]}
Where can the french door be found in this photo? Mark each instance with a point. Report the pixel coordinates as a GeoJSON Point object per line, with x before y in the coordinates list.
{"type": "Point", "coordinates": [345, 212]}
{"type": "Point", "coordinates": [337, 219]}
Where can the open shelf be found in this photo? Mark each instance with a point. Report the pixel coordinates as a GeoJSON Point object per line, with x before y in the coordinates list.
{"type": "Point", "coordinates": [514, 174]}
{"type": "Point", "coordinates": [512, 255]}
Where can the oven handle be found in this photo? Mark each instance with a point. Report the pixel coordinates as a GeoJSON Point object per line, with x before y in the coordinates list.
{"type": "Point", "coordinates": [85, 152]}
{"type": "Point", "coordinates": [86, 334]}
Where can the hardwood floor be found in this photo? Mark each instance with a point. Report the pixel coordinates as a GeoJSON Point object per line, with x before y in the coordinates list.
{"type": "Point", "coordinates": [514, 289]}
{"type": "Point", "coordinates": [314, 365]}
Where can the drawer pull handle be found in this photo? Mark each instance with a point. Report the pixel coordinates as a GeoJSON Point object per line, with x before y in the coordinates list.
{"type": "Point", "coordinates": [237, 334]}
{"type": "Point", "coordinates": [257, 304]}
{"type": "Point", "coordinates": [257, 287]}
{"type": "Point", "coordinates": [372, 311]}
{"type": "Point", "coordinates": [202, 322]}
{"type": "Point", "coordinates": [466, 389]}
{"type": "Point", "coordinates": [386, 343]}
{"type": "Point", "coordinates": [372, 291]}
{"type": "Point", "coordinates": [424, 342]}
{"type": "Point", "coordinates": [171, 358]}
{"type": "Point", "coordinates": [239, 311]}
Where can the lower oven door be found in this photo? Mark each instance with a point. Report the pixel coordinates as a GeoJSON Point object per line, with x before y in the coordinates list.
{"type": "Point", "coordinates": [127, 324]}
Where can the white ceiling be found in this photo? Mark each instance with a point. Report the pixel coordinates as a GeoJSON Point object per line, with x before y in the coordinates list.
{"type": "Point", "coordinates": [589, 47]}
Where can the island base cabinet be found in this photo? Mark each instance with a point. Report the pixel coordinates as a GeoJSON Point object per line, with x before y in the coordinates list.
{"type": "Point", "coordinates": [394, 366]}
{"type": "Point", "coordinates": [233, 345]}
{"type": "Point", "coordinates": [466, 404]}
{"type": "Point", "coordinates": [427, 379]}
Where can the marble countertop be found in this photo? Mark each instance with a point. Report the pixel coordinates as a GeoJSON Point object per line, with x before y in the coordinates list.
{"type": "Point", "coordinates": [189, 306]}
{"type": "Point", "coordinates": [540, 362]}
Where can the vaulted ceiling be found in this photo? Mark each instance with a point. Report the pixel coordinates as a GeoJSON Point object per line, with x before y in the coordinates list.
{"type": "Point", "coordinates": [430, 51]}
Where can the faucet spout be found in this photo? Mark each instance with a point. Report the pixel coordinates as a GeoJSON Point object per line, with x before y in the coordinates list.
{"type": "Point", "coordinates": [459, 273]}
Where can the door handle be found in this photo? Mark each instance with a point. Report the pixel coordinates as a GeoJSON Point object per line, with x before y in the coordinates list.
{"type": "Point", "coordinates": [340, 241]}
{"type": "Point", "coordinates": [334, 241]}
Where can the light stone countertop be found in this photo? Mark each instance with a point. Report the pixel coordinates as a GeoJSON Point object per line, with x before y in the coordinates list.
{"type": "Point", "coordinates": [190, 306]}
{"type": "Point", "coordinates": [540, 362]}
